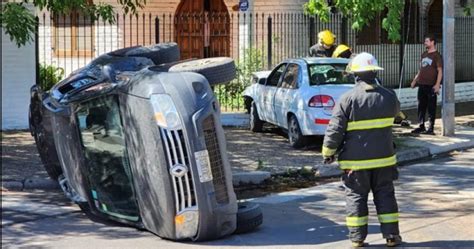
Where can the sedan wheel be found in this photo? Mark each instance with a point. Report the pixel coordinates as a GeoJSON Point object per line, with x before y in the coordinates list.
{"type": "Point", "coordinates": [256, 125]}
{"type": "Point", "coordinates": [297, 140]}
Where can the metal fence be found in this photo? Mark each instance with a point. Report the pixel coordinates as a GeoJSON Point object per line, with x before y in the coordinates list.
{"type": "Point", "coordinates": [256, 41]}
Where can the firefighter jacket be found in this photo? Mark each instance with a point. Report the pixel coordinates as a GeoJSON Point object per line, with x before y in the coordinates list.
{"type": "Point", "coordinates": [360, 130]}
{"type": "Point", "coordinates": [318, 50]}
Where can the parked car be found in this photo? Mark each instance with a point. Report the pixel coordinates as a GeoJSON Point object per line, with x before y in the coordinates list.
{"type": "Point", "coordinates": [135, 137]}
{"type": "Point", "coordinates": [298, 95]}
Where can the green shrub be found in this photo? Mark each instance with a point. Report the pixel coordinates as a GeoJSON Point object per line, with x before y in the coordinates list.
{"type": "Point", "coordinates": [230, 95]}
{"type": "Point", "coordinates": [49, 75]}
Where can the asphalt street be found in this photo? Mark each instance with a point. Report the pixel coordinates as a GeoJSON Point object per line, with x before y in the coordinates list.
{"type": "Point", "coordinates": [436, 200]}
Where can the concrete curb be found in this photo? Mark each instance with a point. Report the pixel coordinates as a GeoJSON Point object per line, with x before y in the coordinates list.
{"type": "Point", "coordinates": [235, 120]}
{"type": "Point", "coordinates": [448, 148]}
{"type": "Point", "coordinates": [38, 183]}
{"type": "Point", "coordinates": [413, 154]}
{"type": "Point", "coordinates": [255, 177]}
{"type": "Point", "coordinates": [12, 185]}
{"type": "Point", "coordinates": [30, 184]}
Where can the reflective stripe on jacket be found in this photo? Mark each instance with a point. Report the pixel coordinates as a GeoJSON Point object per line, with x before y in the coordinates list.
{"type": "Point", "coordinates": [360, 129]}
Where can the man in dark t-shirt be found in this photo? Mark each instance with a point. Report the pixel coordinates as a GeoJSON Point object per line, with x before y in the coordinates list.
{"type": "Point", "coordinates": [428, 80]}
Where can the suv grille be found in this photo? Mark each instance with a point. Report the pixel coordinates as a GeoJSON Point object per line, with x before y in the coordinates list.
{"type": "Point", "coordinates": [215, 158]}
{"type": "Point", "coordinates": [179, 168]}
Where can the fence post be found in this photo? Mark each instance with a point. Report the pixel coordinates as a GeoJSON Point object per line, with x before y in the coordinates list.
{"type": "Point", "coordinates": [157, 30]}
{"type": "Point", "coordinates": [269, 43]}
{"type": "Point", "coordinates": [312, 31]}
{"type": "Point", "coordinates": [37, 65]}
{"type": "Point", "coordinates": [401, 52]}
{"type": "Point", "coordinates": [344, 30]}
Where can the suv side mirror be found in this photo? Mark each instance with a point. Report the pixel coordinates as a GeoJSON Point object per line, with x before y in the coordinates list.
{"type": "Point", "coordinates": [262, 81]}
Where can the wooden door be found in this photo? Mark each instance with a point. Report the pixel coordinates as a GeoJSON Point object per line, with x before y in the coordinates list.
{"type": "Point", "coordinates": [219, 29]}
{"type": "Point", "coordinates": [202, 25]}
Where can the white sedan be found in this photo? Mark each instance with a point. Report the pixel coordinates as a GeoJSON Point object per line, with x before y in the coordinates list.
{"type": "Point", "coordinates": [297, 95]}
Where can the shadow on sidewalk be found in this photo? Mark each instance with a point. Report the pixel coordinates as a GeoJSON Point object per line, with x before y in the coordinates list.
{"type": "Point", "coordinates": [295, 223]}
{"type": "Point", "coordinates": [431, 244]}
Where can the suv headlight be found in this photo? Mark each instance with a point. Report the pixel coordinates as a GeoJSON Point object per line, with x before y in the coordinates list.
{"type": "Point", "coordinates": [166, 115]}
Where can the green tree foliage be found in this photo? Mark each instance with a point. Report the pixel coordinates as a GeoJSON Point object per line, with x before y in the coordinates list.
{"type": "Point", "coordinates": [19, 23]}
{"type": "Point", "coordinates": [362, 12]}
{"type": "Point", "coordinates": [231, 93]}
{"type": "Point", "coordinates": [468, 9]}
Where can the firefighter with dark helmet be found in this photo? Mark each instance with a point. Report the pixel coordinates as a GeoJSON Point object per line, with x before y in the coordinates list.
{"type": "Point", "coordinates": [325, 46]}
{"type": "Point", "coordinates": [360, 132]}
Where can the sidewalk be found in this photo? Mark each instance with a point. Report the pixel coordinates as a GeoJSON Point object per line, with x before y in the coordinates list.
{"type": "Point", "coordinates": [248, 152]}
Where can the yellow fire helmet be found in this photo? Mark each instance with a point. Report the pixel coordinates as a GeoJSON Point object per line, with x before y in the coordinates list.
{"type": "Point", "coordinates": [326, 37]}
{"type": "Point", "coordinates": [338, 52]}
{"type": "Point", "coordinates": [363, 62]}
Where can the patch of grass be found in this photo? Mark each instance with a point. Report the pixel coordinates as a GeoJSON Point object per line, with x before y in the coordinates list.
{"type": "Point", "coordinates": [260, 165]}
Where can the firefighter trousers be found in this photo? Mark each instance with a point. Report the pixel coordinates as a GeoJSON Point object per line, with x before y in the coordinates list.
{"type": "Point", "coordinates": [357, 186]}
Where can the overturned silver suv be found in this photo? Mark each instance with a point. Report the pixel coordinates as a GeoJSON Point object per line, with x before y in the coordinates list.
{"type": "Point", "coordinates": [135, 137]}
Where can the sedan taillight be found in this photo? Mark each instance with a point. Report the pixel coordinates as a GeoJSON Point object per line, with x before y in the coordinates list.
{"type": "Point", "coordinates": [321, 101]}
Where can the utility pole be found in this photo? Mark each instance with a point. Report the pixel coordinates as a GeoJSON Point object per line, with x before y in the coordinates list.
{"type": "Point", "coordinates": [448, 102]}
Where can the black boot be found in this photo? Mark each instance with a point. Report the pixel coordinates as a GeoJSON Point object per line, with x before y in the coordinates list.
{"type": "Point", "coordinates": [394, 240]}
{"type": "Point", "coordinates": [419, 130]}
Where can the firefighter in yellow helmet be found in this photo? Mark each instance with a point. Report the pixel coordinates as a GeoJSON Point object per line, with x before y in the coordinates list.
{"type": "Point", "coordinates": [360, 132]}
{"type": "Point", "coordinates": [325, 46]}
{"type": "Point", "coordinates": [342, 51]}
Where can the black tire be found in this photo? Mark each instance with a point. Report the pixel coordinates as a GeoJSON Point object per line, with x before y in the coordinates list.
{"type": "Point", "coordinates": [216, 70]}
{"type": "Point", "coordinates": [159, 53]}
{"type": "Point", "coordinates": [256, 124]}
{"type": "Point", "coordinates": [249, 217]}
{"type": "Point", "coordinates": [41, 130]}
{"type": "Point", "coordinates": [296, 138]}
{"type": "Point", "coordinates": [122, 52]}
{"type": "Point", "coordinates": [248, 104]}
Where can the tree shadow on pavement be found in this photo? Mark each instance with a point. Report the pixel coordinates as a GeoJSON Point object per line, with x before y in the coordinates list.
{"type": "Point", "coordinates": [20, 157]}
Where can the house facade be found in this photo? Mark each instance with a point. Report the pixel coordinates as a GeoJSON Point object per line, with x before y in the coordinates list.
{"type": "Point", "coordinates": [205, 28]}
{"type": "Point", "coordinates": [278, 29]}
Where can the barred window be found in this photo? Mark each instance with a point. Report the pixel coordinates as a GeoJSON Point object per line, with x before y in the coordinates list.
{"type": "Point", "coordinates": [73, 35]}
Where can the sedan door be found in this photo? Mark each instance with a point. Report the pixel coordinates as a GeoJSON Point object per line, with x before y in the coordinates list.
{"type": "Point", "coordinates": [284, 96]}
{"type": "Point", "coordinates": [268, 94]}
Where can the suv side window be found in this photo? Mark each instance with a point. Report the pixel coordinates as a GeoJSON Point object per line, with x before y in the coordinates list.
{"type": "Point", "coordinates": [275, 76]}
{"type": "Point", "coordinates": [290, 80]}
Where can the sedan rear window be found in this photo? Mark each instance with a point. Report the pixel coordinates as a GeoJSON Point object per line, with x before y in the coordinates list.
{"type": "Point", "coordinates": [329, 74]}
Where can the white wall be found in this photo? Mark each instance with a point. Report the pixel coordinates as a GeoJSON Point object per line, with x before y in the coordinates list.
{"type": "Point", "coordinates": [464, 92]}
{"type": "Point", "coordinates": [18, 75]}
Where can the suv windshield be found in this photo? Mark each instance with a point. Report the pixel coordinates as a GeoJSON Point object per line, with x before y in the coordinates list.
{"type": "Point", "coordinates": [109, 172]}
{"type": "Point", "coordinates": [329, 74]}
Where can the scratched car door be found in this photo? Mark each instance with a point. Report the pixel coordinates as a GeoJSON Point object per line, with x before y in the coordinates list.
{"type": "Point", "coordinates": [285, 94]}
{"type": "Point", "coordinates": [270, 89]}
